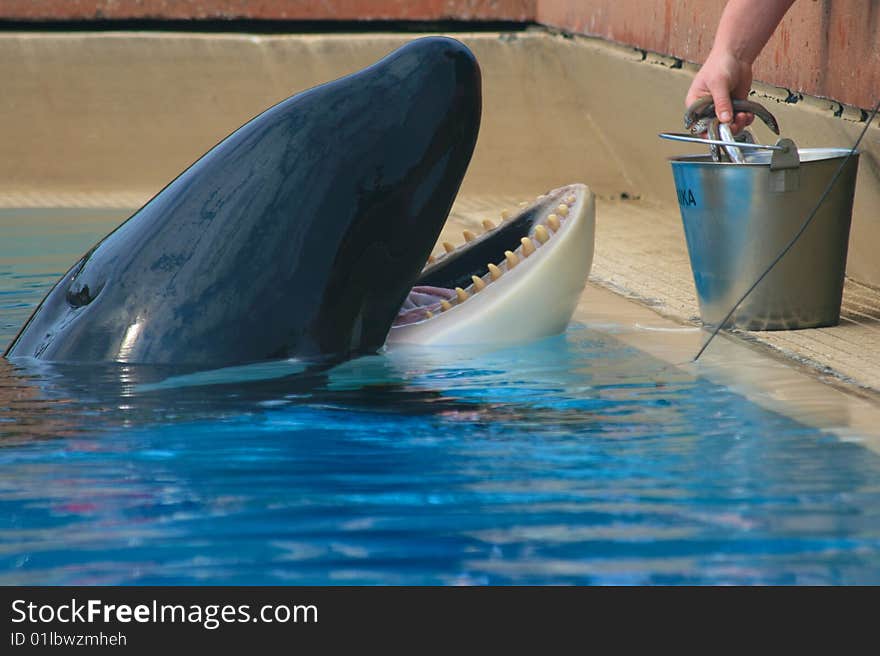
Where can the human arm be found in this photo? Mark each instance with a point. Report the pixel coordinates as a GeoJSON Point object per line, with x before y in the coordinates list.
{"type": "Point", "coordinates": [743, 31]}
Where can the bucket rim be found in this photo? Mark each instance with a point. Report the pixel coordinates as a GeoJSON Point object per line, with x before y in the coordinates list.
{"type": "Point", "coordinates": [806, 155]}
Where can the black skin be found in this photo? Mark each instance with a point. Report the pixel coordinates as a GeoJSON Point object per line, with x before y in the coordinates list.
{"type": "Point", "coordinates": [299, 235]}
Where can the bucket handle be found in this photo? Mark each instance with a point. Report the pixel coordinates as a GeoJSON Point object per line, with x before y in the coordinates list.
{"type": "Point", "coordinates": [785, 155]}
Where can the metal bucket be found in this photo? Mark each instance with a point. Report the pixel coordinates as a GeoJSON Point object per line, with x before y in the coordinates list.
{"type": "Point", "coordinates": [738, 217]}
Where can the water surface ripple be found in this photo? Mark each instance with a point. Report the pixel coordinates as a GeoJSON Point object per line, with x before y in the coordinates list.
{"type": "Point", "coordinates": [572, 460]}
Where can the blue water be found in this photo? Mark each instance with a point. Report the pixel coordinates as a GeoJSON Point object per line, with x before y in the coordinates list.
{"type": "Point", "coordinates": [573, 460]}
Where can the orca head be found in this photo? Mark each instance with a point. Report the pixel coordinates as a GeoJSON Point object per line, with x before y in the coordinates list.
{"type": "Point", "coordinates": [299, 235]}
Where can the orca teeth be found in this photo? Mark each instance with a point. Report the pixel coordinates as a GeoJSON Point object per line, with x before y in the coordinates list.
{"type": "Point", "coordinates": [541, 234]}
{"type": "Point", "coordinates": [489, 225]}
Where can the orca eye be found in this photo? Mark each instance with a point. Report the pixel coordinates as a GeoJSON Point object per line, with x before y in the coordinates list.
{"type": "Point", "coordinates": [84, 286]}
{"type": "Point", "coordinates": [81, 296]}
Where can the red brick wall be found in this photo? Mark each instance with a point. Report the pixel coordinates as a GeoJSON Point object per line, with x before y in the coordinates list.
{"type": "Point", "coordinates": [822, 47]}
{"type": "Point", "coordinates": [515, 10]}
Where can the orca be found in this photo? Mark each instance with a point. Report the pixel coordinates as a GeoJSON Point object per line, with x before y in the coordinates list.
{"type": "Point", "coordinates": [306, 232]}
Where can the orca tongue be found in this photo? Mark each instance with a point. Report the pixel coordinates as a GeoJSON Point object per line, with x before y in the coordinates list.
{"type": "Point", "coordinates": [422, 298]}
{"type": "Point", "coordinates": [423, 295]}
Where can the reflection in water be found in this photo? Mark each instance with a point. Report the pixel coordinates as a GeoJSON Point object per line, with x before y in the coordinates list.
{"type": "Point", "coordinates": [574, 460]}
{"type": "Point", "coordinates": [27, 415]}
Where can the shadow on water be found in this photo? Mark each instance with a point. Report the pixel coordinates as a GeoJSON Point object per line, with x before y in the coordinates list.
{"type": "Point", "coordinates": [41, 400]}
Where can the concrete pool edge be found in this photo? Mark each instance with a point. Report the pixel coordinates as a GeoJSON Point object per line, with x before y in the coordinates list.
{"type": "Point", "coordinates": [773, 383]}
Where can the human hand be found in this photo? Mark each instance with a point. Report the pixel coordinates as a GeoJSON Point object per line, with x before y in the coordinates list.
{"type": "Point", "coordinates": [723, 76]}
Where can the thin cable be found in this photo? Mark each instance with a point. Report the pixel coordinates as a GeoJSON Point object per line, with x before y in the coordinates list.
{"type": "Point", "coordinates": [797, 236]}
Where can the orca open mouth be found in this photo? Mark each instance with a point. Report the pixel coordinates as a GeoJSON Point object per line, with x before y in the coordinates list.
{"type": "Point", "coordinates": [502, 268]}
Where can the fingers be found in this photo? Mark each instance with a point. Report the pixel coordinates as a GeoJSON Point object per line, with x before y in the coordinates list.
{"type": "Point", "coordinates": [721, 96]}
{"type": "Point", "coordinates": [741, 121]}
{"type": "Point", "coordinates": [698, 90]}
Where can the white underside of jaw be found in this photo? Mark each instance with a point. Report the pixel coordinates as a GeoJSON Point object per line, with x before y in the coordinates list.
{"type": "Point", "coordinates": [531, 294]}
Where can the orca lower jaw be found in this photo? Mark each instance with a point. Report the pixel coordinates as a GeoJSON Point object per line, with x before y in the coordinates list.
{"type": "Point", "coordinates": [517, 281]}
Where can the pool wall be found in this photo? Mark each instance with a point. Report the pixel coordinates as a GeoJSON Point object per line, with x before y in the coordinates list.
{"type": "Point", "coordinates": [821, 48]}
{"type": "Point", "coordinates": [107, 118]}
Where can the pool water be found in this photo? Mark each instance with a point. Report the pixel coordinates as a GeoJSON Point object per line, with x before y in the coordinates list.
{"type": "Point", "coordinates": [576, 459]}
